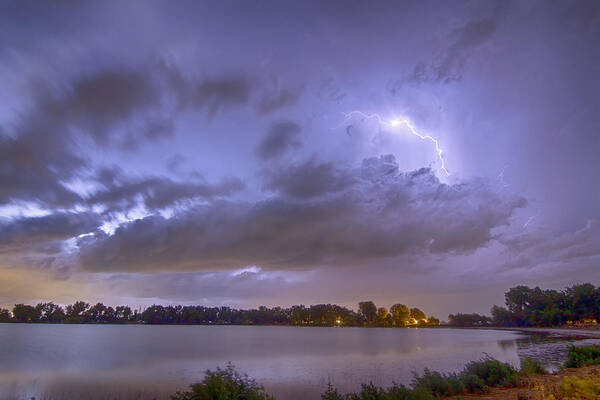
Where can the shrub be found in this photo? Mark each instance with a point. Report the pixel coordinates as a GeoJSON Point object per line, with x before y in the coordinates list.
{"type": "Point", "coordinates": [372, 392]}
{"type": "Point", "coordinates": [331, 393]}
{"type": "Point", "coordinates": [403, 393]}
{"type": "Point", "coordinates": [224, 384]}
{"type": "Point", "coordinates": [493, 372]}
{"type": "Point", "coordinates": [369, 392]}
{"type": "Point", "coordinates": [474, 384]}
{"type": "Point", "coordinates": [580, 356]}
{"type": "Point", "coordinates": [439, 385]}
{"type": "Point", "coordinates": [532, 367]}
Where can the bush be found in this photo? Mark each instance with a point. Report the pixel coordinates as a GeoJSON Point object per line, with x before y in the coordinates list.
{"type": "Point", "coordinates": [439, 385]}
{"type": "Point", "coordinates": [369, 392]}
{"type": "Point", "coordinates": [532, 367]}
{"type": "Point", "coordinates": [331, 393]}
{"type": "Point", "coordinates": [580, 356]}
{"type": "Point", "coordinates": [224, 384]}
{"type": "Point", "coordinates": [474, 384]}
{"type": "Point", "coordinates": [372, 392]}
{"type": "Point", "coordinates": [493, 372]}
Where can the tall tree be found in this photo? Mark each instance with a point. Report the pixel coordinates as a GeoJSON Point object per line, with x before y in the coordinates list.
{"type": "Point", "coordinates": [383, 317]}
{"type": "Point", "coordinates": [76, 313]}
{"type": "Point", "coordinates": [4, 315]}
{"type": "Point", "coordinates": [400, 314]}
{"type": "Point", "coordinates": [368, 312]}
{"type": "Point", "coordinates": [417, 314]}
{"type": "Point", "coordinates": [25, 313]}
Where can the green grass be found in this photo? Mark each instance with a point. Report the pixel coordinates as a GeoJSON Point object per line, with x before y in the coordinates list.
{"type": "Point", "coordinates": [580, 356]}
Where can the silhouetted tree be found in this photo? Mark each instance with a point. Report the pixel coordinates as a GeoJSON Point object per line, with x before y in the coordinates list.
{"type": "Point", "coordinates": [76, 313]}
{"type": "Point", "coordinates": [400, 314]}
{"type": "Point", "coordinates": [584, 302]}
{"type": "Point", "coordinates": [368, 312]}
{"type": "Point", "coordinates": [50, 313]}
{"type": "Point", "coordinates": [4, 315]}
{"type": "Point", "coordinates": [25, 313]}
{"type": "Point", "coordinates": [537, 307]}
{"type": "Point", "coordinates": [468, 320]}
{"type": "Point", "coordinates": [417, 314]}
{"type": "Point", "coordinates": [384, 318]}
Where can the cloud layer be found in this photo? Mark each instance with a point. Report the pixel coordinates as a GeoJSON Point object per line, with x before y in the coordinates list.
{"type": "Point", "coordinates": [340, 218]}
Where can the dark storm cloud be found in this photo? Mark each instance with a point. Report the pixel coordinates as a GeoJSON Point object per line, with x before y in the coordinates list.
{"type": "Point", "coordinates": [115, 106]}
{"type": "Point", "coordinates": [175, 162]}
{"type": "Point", "coordinates": [309, 179]}
{"type": "Point", "coordinates": [120, 192]}
{"type": "Point", "coordinates": [449, 66]}
{"type": "Point", "coordinates": [280, 138]}
{"type": "Point", "coordinates": [376, 218]}
{"type": "Point", "coordinates": [279, 99]}
{"type": "Point", "coordinates": [508, 89]}
{"type": "Point", "coordinates": [211, 94]}
{"type": "Point", "coordinates": [40, 154]}
{"type": "Point", "coordinates": [222, 286]}
{"type": "Point", "coordinates": [543, 247]}
{"type": "Point", "coordinates": [98, 103]}
{"type": "Point", "coordinates": [33, 165]}
{"type": "Point", "coordinates": [23, 232]}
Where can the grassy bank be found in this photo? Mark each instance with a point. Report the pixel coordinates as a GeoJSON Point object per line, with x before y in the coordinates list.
{"type": "Point", "coordinates": [487, 378]}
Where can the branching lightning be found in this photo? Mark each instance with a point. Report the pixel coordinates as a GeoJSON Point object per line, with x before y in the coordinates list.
{"type": "Point", "coordinates": [395, 123]}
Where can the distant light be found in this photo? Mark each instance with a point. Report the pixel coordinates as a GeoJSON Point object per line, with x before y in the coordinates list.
{"type": "Point", "coordinates": [395, 122]}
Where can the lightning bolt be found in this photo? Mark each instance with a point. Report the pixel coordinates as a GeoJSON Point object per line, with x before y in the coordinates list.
{"type": "Point", "coordinates": [530, 219]}
{"type": "Point", "coordinates": [395, 123]}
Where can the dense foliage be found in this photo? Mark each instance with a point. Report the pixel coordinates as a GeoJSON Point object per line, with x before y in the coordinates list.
{"type": "Point", "coordinates": [468, 320]}
{"type": "Point", "coordinates": [476, 377]}
{"type": "Point", "coordinates": [224, 384]}
{"type": "Point", "coordinates": [536, 307]}
{"type": "Point", "coordinates": [580, 356]}
{"type": "Point", "coordinates": [316, 315]}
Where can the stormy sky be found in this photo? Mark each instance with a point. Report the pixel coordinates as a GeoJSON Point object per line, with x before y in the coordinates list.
{"type": "Point", "coordinates": [242, 153]}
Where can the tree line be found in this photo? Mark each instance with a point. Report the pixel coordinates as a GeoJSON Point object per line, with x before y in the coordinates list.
{"type": "Point", "coordinates": [368, 314]}
{"type": "Point", "coordinates": [527, 306]}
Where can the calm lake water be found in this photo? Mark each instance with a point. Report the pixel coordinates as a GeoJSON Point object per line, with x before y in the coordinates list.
{"type": "Point", "coordinates": [146, 362]}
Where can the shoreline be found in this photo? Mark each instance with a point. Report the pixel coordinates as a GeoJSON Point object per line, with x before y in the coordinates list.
{"type": "Point", "coordinates": [557, 333]}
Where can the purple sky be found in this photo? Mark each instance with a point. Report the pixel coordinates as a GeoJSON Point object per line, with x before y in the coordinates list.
{"type": "Point", "coordinates": [274, 152]}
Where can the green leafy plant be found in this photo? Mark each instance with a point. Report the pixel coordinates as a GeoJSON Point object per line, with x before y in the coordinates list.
{"type": "Point", "coordinates": [580, 356]}
{"type": "Point", "coordinates": [224, 384]}
{"type": "Point", "coordinates": [531, 367]}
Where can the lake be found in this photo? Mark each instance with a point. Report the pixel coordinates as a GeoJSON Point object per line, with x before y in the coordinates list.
{"type": "Point", "coordinates": [59, 362]}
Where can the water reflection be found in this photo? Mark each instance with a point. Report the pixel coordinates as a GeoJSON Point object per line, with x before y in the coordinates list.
{"type": "Point", "coordinates": [134, 362]}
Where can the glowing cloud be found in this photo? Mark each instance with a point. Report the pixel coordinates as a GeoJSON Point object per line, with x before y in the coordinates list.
{"type": "Point", "coordinates": [397, 122]}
